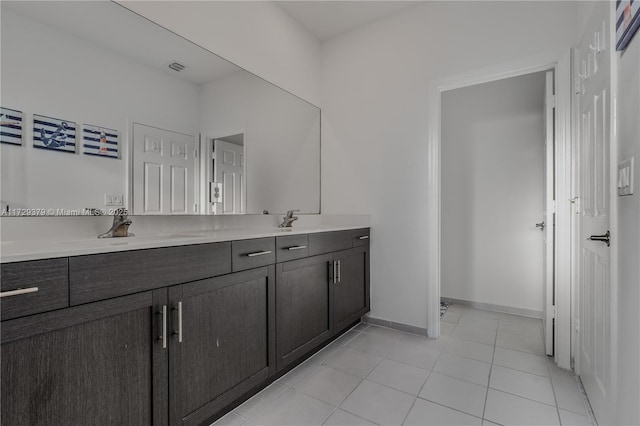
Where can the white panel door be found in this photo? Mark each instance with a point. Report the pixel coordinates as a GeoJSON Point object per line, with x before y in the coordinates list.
{"type": "Point", "coordinates": [595, 359]}
{"type": "Point", "coordinates": [230, 172]}
{"type": "Point", "coordinates": [549, 214]}
{"type": "Point", "coordinates": [164, 171]}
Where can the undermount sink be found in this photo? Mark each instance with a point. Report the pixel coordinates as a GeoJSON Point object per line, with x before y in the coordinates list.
{"type": "Point", "coordinates": [124, 241]}
{"type": "Point", "coordinates": [165, 237]}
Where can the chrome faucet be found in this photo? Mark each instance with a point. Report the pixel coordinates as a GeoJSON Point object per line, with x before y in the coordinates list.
{"type": "Point", "coordinates": [120, 227]}
{"type": "Point", "coordinates": [289, 219]}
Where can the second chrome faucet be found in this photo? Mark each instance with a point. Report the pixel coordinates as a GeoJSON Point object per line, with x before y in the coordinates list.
{"type": "Point", "coordinates": [289, 219]}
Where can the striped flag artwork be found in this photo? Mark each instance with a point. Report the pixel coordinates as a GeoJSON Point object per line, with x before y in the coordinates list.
{"type": "Point", "coordinates": [99, 141]}
{"type": "Point", "coordinates": [10, 126]}
{"type": "Point", "coordinates": [627, 22]}
{"type": "Point", "coordinates": [54, 134]}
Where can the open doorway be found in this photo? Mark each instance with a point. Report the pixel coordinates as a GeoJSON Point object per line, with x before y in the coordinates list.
{"type": "Point", "coordinates": [223, 174]}
{"type": "Point", "coordinates": [560, 64]}
{"type": "Point", "coordinates": [497, 183]}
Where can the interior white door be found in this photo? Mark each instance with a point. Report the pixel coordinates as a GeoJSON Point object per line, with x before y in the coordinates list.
{"type": "Point", "coordinates": [548, 219]}
{"type": "Point", "coordinates": [596, 361]}
{"type": "Point", "coordinates": [229, 171]}
{"type": "Point", "coordinates": [164, 171]}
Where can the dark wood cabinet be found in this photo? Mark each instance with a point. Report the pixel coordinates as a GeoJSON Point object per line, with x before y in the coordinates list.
{"type": "Point", "coordinates": [175, 335]}
{"type": "Point", "coordinates": [33, 287]}
{"type": "Point", "coordinates": [92, 364]}
{"type": "Point", "coordinates": [351, 289]}
{"type": "Point", "coordinates": [222, 342]}
{"type": "Point", "coordinates": [304, 317]}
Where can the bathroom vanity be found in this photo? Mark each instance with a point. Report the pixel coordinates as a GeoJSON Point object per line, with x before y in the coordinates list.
{"type": "Point", "coordinates": [169, 332]}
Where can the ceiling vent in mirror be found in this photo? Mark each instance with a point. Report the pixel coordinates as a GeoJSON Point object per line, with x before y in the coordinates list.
{"type": "Point", "coordinates": [176, 66]}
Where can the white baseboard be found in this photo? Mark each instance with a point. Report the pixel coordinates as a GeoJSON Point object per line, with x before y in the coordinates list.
{"type": "Point", "coordinates": [395, 325]}
{"type": "Point", "coordinates": [532, 313]}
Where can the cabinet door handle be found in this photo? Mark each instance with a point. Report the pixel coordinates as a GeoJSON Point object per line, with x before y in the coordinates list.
{"type": "Point", "coordinates": [339, 271]}
{"type": "Point", "coordinates": [259, 253]}
{"type": "Point", "coordinates": [179, 331]}
{"type": "Point", "coordinates": [180, 322]}
{"type": "Point", "coordinates": [333, 272]}
{"type": "Point", "coordinates": [363, 237]}
{"type": "Point", "coordinates": [18, 292]}
{"type": "Point", "coordinates": [296, 248]}
{"type": "Point", "coordinates": [163, 335]}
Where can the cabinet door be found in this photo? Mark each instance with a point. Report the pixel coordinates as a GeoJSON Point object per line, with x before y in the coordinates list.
{"type": "Point", "coordinates": [351, 290]}
{"type": "Point", "coordinates": [222, 342]}
{"type": "Point", "coordinates": [303, 312]}
{"type": "Point", "coordinates": [94, 364]}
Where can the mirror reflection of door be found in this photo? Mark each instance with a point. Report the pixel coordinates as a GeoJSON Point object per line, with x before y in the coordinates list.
{"type": "Point", "coordinates": [227, 194]}
{"type": "Point", "coordinates": [164, 172]}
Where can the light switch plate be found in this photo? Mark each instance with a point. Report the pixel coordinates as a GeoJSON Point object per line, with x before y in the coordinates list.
{"type": "Point", "coordinates": [113, 200]}
{"type": "Point", "coordinates": [625, 177]}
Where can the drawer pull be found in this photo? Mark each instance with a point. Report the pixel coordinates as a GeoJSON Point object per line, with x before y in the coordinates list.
{"type": "Point", "coordinates": [339, 272]}
{"type": "Point", "coordinates": [18, 291]}
{"type": "Point", "coordinates": [363, 237]}
{"type": "Point", "coordinates": [259, 253]}
{"type": "Point", "coordinates": [296, 248]}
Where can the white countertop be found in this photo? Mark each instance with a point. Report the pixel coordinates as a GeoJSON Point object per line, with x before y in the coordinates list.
{"type": "Point", "coordinates": [16, 251]}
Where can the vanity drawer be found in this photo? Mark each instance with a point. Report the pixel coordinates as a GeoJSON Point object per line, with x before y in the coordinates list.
{"type": "Point", "coordinates": [49, 277]}
{"type": "Point", "coordinates": [102, 276]}
{"type": "Point", "coordinates": [247, 254]}
{"type": "Point", "coordinates": [326, 242]}
{"type": "Point", "coordinates": [360, 237]}
{"type": "Point", "coordinates": [292, 247]}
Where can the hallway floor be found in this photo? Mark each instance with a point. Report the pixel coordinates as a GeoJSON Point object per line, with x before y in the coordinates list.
{"type": "Point", "coordinates": [487, 368]}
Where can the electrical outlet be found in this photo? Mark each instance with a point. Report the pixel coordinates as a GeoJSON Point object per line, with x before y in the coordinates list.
{"type": "Point", "coordinates": [113, 200]}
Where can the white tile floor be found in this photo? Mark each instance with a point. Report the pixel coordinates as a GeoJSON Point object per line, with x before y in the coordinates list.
{"type": "Point", "coordinates": [488, 368]}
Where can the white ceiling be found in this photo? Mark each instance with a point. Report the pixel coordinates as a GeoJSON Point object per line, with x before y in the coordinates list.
{"type": "Point", "coordinates": [326, 19]}
{"type": "Point", "coordinates": [127, 34]}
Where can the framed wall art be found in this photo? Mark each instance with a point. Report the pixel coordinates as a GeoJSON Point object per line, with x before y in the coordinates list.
{"type": "Point", "coordinates": [627, 21]}
{"type": "Point", "coordinates": [10, 126]}
{"type": "Point", "coordinates": [54, 134]}
{"type": "Point", "coordinates": [99, 141]}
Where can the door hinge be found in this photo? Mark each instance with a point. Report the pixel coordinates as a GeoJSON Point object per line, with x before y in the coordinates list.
{"type": "Point", "coordinates": [576, 203]}
{"type": "Point", "coordinates": [553, 312]}
{"type": "Point", "coordinates": [552, 207]}
{"type": "Point", "coordinates": [195, 153]}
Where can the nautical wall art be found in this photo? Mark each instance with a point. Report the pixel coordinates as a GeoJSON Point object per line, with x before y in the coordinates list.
{"type": "Point", "coordinates": [627, 21]}
{"type": "Point", "coordinates": [10, 126]}
{"type": "Point", "coordinates": [99, 141]}
{"type": "Point", "coordinates": [54, 133]}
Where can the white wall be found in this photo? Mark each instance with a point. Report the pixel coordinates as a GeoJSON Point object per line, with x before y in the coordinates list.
{"type": "Point", "coordinates": [281, 140]}
{"type": "Point", "coordinates": [40, 78]}
{"type": "Point", "coordinates": [628, 139]}
{"type": "Point", "coordinates": [256, 35]}
{"type": "Point", "coordinates": [374, 86]}
{"type": "Point", "coordinates": [492, 193]}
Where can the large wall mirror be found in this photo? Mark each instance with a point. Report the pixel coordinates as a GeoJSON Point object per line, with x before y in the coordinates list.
{"type": "Point", "coordinates": [103, 109]}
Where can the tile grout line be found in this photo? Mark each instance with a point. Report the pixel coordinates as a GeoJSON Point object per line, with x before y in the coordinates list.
{"type": "Point", "coordinates": [555, 396]}
{"type": "Point", "coordinates": [290, 386]}
{"type": "Point", "coordinates": [583, 393]}
{"type": "Point", "coordinates": [338, 407]}
{"type": "Point", "coordinates": [486, 394]}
